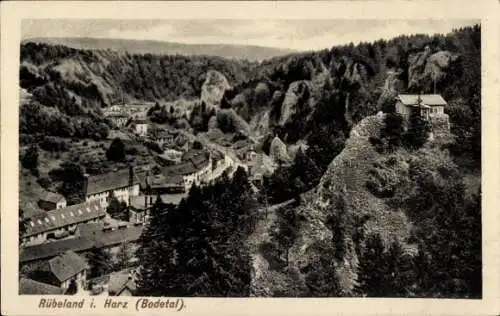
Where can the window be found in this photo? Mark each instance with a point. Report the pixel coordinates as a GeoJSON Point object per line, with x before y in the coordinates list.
{"type": "Point", "coordinates": [80, 212]}
{"type": "Point", "coordinates": [53, 218]}
{"type": "Point", "coordinates": [62, 215]}
{"type": "Point", "coordinates": [32, 224]}
{"type": "Point", "coordinates": [88, 210]}
{"type": "Point", "coordinates": [39, 222]}
{"type": "Point", "coordinates": [73, 215]}
{"type": "Point", "coordinates": [47, 220]}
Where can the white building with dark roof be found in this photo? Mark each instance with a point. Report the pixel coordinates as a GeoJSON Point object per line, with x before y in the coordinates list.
{"type": "Point", "coordinates": [61, 222]}
{"type": "Point", "coordinates": [428, 105]}
{"type": "Point", "coordinates": [121, 184]}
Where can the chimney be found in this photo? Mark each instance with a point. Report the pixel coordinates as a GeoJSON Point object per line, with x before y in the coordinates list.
{"type": "Point", "coordinates": [145, 201]}
{"type": "Point", "coordinates": [150, 200]}
{"type": "Point", "coordinates": [130, 176]}
{"type": "Point", "coordinates": [85, 184]}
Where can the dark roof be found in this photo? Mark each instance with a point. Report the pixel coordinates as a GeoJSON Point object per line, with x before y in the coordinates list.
{"type": "Point", "coordinates": [162, 181]}
{"type": "Point", "coordinates": [29, 286]}
{"type": "Point", "coordinates": [88, 229]}
{"type": "Point", "coordinates": [191, 164]}
{"type": "Point", "coordinates": [140, 121]}
{"type": "Point", "coordinates": [110, 181]}
{"type": "Point", "coordinates": [179, 169]}
{"type": "Point", "coordinates": [66, 265]}
{"type": "Point", "coordinates": [118, 236]}
{"type": "Point", "coordinates": [51, 249]}
{"type": "Point", "coordinates": [99, 239]}
{"type": "Point", "coordinates": [51, 197]}
{"type": "Point", "coordinates": [62, 217]}
{"type": "Point", "coordinates": [427, 99]}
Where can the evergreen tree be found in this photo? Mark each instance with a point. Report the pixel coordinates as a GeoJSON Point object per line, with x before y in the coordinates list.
{"type": "Point", "coordinates": [116, 151]}
{"type": "Point", "coordinates": [29, 159]}
{"type": "Point", "coordinates": [99, 261]}
{"type": "Point", "coordinates": [372, 268]}
{"type": "Point", "coordinates": [400, 277]}
{"type": "Point", "coordinates": [205, 239]}
{"type": "Point", "coordinates": [322, 279]}
{"type": "Point", "coordinates": [418, 131]}
{"type": "Point", "coordinates": [286, 230]}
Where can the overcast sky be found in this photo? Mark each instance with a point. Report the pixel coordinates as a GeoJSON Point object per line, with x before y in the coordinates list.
{"type": "Point", "coordinates": [293, 34]}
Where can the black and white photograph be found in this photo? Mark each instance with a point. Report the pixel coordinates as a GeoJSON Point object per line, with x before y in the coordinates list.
{"type": "Point", "coordinates": [250, 158]}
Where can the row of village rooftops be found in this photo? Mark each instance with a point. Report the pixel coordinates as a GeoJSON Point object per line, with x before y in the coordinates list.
{"type": "Point", "coordinates": [54, 276]}
{"type": "Point", "coordinates": [135, 189]}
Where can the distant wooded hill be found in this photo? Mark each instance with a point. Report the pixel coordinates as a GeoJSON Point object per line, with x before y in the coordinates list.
{"type": "Point", "coordinates": [170, 48]}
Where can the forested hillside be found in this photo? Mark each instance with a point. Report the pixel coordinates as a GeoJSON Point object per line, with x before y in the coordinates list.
{"type": "Point", "coordinates": [165, 48]}
{"type": "Point", "coordinates": [379, 210]}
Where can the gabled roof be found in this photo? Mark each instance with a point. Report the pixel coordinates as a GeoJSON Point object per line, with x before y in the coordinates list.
{"type": "Point", "coordinates": [99, 239]}
{"type": "Point", "coordinates": [110, 181]}
{"type": "Point", "coordinates": [121, 280]}
{"type": "Point", "coordinates": [29, 286]}
{"type": "Point", "coordinates": [427, 99]}
{"type": "Point", "coordinates": [62, 217]}
{"type": "Point", "coordinates": [51, 249]}
{"type": "Point", "coordinates": [51, 197]}
{"type": "Point", "coordinates": [66, 265]}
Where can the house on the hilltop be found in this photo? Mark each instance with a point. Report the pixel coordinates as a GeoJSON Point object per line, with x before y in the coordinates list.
{"type": "Point", "coordinates": [62, 270]}
{"type": "Point", "coordinates": [61, 222]}
{"type": "Point", "coordinates": [427, 105]}
{"type": "Point", "coordinates": [51, 201]}
{"type": "Point", "coordinates": [121, 184]}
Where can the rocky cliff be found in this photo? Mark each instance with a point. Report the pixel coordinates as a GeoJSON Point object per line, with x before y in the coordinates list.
{"type": "Point", "coordinates": [213, 88]}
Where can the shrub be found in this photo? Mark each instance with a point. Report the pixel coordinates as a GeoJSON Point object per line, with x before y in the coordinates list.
{"type": "Point", "coordinates": [29, 159]}
{"type": "Point", "coordinates": [417, 133]}
{"type": "Point", "coordinates": [116, 151]}
{"type": "Point", "coordinates": [53, 144]}
{"type": "Point", "coordinates": [44, 182]}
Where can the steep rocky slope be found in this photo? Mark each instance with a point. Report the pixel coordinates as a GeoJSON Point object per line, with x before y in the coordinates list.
{"type": "Point", "coordinates": [344, 188]}
{"type": "Point", "coordinates": [213, 88]}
